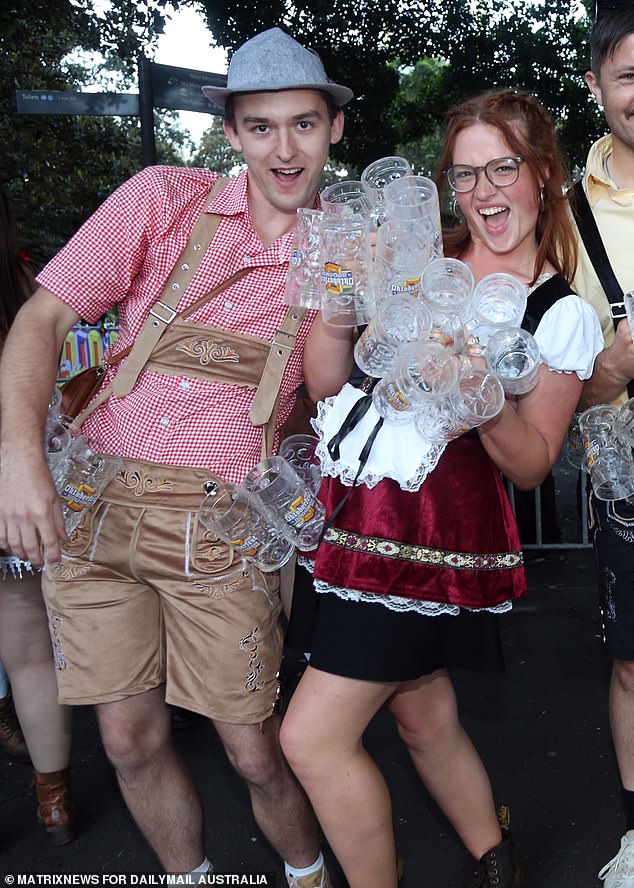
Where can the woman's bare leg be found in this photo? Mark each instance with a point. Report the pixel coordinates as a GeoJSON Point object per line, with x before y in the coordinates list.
{"type": "Point", "coordinates": [27, 654]}
{"type": "Point", "coordinates": [446, 760]}
{"type": "Point", "coordinates": [322, 740]}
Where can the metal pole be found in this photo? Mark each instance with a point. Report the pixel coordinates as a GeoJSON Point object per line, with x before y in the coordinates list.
{"type": "Point", "coordinates": [146, 112]}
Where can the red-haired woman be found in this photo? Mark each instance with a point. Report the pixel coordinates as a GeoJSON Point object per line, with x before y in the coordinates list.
{"type": "Point", "coordinates": [413, 574]}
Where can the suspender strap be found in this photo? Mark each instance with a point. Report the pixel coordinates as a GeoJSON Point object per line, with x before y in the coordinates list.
{"type": "Point", "coordinates": [164, 311]}
{"type": "Point", "coordinates": [587, 225]}
{"type": "Point", "coordinates": [591, 237]}
{"type": "Point", "coordinates": [283, 344]}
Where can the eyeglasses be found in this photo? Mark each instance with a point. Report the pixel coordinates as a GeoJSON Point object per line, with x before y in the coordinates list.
{"type": "Point", "coordinates": [501, 171]}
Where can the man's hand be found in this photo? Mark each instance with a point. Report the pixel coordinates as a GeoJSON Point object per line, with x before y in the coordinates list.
{"type": "Point", "coordinates": [31, 522]}
{"type": "Point", "coordinates": [613, 370]}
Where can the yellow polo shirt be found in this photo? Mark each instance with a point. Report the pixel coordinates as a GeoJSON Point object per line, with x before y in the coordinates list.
{"type": "Point", "coordinates": [613, 209]}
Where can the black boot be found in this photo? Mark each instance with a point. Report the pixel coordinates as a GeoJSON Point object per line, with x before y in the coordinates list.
{"type": "Point", "coordinates": [498, 868]}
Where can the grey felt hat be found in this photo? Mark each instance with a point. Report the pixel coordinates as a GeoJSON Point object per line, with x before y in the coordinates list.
{"type": "Point", "coordinates": [273, 61]}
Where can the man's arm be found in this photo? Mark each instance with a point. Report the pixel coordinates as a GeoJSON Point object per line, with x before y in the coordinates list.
{"type": "Point", "coordinates": [31, 524]}
{"type": "Point", "coordinates": [613, 369]}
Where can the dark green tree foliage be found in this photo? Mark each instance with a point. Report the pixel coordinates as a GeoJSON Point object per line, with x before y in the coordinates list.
{"type": "Point", "coordinates": [440, 51]}
{"type": "Point", "coordinates": [57, 169]}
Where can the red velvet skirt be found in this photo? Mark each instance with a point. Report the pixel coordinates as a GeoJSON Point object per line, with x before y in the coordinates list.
{"type": "Point", "coordinates": [454, 541]}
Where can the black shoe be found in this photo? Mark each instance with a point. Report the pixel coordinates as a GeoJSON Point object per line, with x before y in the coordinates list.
{"type": "Point", "coordinates": [183, 719]}
{"type": "Point", "coordinates": [498, 868]}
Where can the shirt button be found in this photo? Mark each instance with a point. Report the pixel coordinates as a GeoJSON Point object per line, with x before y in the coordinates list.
{"type": "Point", "coordinates": [228, 305]}
{"type": "Point", "coordinates": [185, 266]}
{"type": "Point", "coordinates": [165, 420]}
{"type": "Point", "coordinates": [176, 286]}
{"type": "Point", "coordinates": [246, 260]}
{"type": "Point", "coordinates": [184, 384]}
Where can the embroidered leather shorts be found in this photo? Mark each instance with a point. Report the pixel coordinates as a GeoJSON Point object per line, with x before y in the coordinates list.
{"type": "Point", "coordinates": [146, 595]}
{"type": "Point", "coordinates": [612, 530]}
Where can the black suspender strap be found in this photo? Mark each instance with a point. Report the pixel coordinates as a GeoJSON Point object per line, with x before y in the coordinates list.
{"type": "Point", "coordinates": [591, 237]}
{"type": "Point", "coordinates": [587, 225]}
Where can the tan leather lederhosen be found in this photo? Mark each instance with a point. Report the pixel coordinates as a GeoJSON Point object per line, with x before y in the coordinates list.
{"type": "Point", "coordinates": [170, 344]}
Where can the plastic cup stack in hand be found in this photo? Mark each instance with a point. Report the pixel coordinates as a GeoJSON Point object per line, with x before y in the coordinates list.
{"type": "Point", "coordinates": [239, 519]}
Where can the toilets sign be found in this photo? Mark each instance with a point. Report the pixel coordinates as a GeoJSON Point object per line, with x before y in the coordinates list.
{"type": "Point", "coordinates": [177, 89]}
{"type": "Point", "coordinates": [160, 86]}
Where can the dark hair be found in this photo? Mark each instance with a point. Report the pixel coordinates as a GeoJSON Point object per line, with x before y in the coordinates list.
{"type": "Point", "coordinates": [611, 26]}
{"type": "Point", "coordinates": [530, 132]}
{"type": "Point", "coordinates": [229, 115]}
{"type": "Point", "coordinates": [16, 280]}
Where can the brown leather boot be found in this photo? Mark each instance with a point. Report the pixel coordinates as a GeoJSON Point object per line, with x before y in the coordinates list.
{"type": "Point", "coordinates": [55, 807]}
{"type": "Point", "coordinates": [11, 738]}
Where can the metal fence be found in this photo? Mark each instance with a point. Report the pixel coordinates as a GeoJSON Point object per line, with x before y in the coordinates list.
{"type": "Point", "coordinates": [558, 517]}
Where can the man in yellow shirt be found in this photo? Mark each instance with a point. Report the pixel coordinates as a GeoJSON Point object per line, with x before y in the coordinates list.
{"type": "Point", "coordinates": [608, 184]}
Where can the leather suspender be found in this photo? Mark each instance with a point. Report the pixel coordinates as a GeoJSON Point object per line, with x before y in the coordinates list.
{"type": "Point", "coordinates": [263, 409]}
{"type": "Point", "coordinates": [163, 312]}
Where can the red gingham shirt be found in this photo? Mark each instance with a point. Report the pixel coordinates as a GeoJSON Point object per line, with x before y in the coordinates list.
{"type": "Point", "coordinates": [124, 254]}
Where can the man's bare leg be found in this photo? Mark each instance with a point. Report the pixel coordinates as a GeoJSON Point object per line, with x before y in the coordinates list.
{"type": "Point", "coordinates": [153, 779]}
{"type": "Point", "coordinates": [280, 806]}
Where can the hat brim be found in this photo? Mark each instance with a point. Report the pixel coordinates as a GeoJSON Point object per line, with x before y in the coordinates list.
{"type": "Point", "coordinates": [219, 94]}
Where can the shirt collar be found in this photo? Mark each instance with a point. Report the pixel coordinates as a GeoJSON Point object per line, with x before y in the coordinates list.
{"type": "Point", "coordinates": [232, 200]}
{"type": "Point", "coordinates": [598, 179]}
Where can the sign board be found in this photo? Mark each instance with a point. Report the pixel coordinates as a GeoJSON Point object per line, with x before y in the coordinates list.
{"type": "Point", "coordinates": [53, 101]}
{"type": "Point", "coordinates": [180, 88]}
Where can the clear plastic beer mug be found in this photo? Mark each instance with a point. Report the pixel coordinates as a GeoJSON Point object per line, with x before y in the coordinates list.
{"type": "Point", "coordinates": [499, 300]}
{"type": "Point", "coordinates": [624, 423]}
{"type": "Point", "coordinates": [88, 472]}
{"type": "Point", "coordinates": [377, 175]}
{"type": "Point", "coordinates": [57, 443]}
{"type": "Point", "coordinates": [300, 452]}
{"type": "Point", "coordinates": [423, 372]}
{"type": "Point", "coordinates": [303, 279]}
{"type": "Point", "coordinates": [447, 286]}
{"type": "Point", "coordinates": [396, 321]}
{"type": "Point", "coordinates": [240, 520]}
{"type": "Point", "coordinates": [402, 252]}
{"type": "Point", "coordinates": [479, 397]}
{"type": "Point", "coordinates": [608, 461]}
{"type": "Point", "coordinates": [346, 262]}
{"type": "Point", "coordinates": [348, 198]}
{"type": "Point", "coordinates": [415, 199]}
{"type": "Point", "coordinates": [275, 483]}
{"type": "Point", "coordinates": [513, 355]}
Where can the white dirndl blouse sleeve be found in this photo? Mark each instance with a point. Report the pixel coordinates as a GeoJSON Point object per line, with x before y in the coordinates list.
{"type": "Point", "coordinates": [569, 336]}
